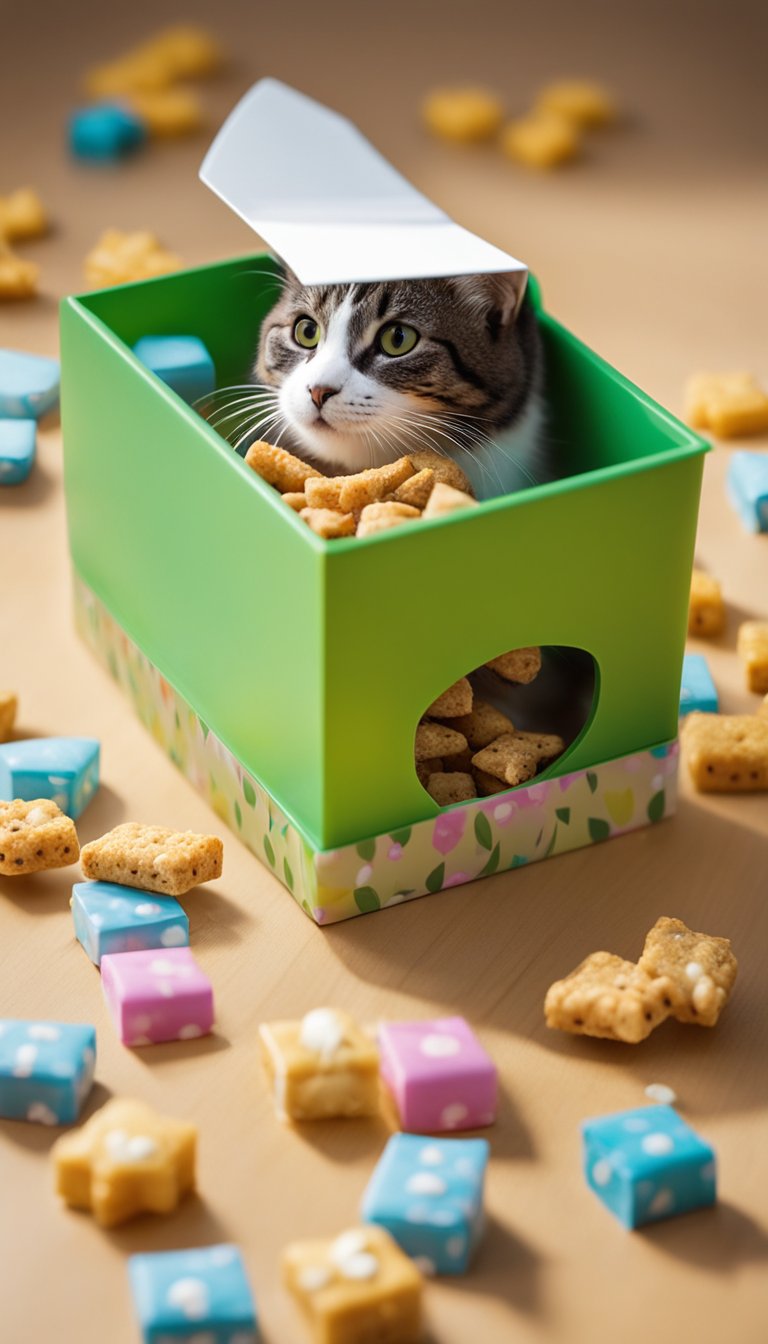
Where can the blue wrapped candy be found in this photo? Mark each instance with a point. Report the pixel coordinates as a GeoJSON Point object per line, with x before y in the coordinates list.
{"type": "Point", "coordinates": [64, 769]}
{"type": "Point", "coordinates": [29, 385]}
{"type": "Point", "coordinates": [747, 484]}
{"type": "Point", "coordinates": [105, 132]}
{"type": "Point", "coordinates": [697, 689]}
{"type": "Point", "coordinates": [110, 918]}
{"type": "Point", "coordinates": [648, 1164]}
{"type": "Point", "coordinates": [183, 362]}
{"type": "Point", "coordinates": [18, 440]}
{"type": "Point", "coordinates": [46, 1070]}
{"type": "Point", "coordinates": [187, 1296]}
{"type": "Point", "coordinates": [428, 1194]}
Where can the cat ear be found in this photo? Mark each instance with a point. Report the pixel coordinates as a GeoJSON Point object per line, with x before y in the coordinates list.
{"type": "Point", "coordinates": [497, 297]}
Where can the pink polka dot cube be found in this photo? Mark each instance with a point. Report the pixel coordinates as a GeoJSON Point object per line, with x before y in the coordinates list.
{"type": "Point", "coordinates": [439, 1075]}
{"type": "Point", "coordinates": [157, 995]}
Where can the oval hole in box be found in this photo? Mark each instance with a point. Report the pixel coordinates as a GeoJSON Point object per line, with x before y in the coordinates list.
{"type": "Point", "coordinates": [561, 699]}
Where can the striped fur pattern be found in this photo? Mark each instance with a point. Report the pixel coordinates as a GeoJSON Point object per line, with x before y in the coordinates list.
{"type": "Point", "coordinates": [468, 382]}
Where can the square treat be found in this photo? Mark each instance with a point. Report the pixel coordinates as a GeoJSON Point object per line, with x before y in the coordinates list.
{"type": "Point", "coordinates": [428, 1193]}
{"type": "Point", "coordinates": [46, 1070]}
{"type": "Point", "coordinates": [752, 645]}
{"type": "Point", "coordinates": [697, 689]}
{"type": "Point", "coordinates": [439, 1075]}
{"type": "Point", "coordinates": [648, 1164]}
{"type": "Point", "coordinates": [747, 484]}
{"type": "Point", "coordinates": [706, 608]}
{"type": "Point", "coordinates": [193, 1297]}
{"type": "Point", "coordinates": [157, 995]}
{"type": "Point", "coordinates": [34, 836]}
{"type": "Point", "coordinates": [324, 1065]}
{"type": "Point", "coordinates": [356, 1289]}
{"type": "Point", "coordinates": [110, 918]}
{"type": "Point", "coordinates": [64, 769]}
{"type": "Point", "coordinates": [125, 1160]}
{"type": "Point", "coordinates": [18, 442]}
{"type": "Point", "coordinates": [169, 862]}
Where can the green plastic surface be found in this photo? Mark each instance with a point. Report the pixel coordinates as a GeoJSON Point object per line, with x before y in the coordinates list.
{"type": "Point", "coordinates": [313, 660]}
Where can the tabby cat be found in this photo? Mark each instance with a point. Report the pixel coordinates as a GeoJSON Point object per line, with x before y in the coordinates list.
{"type": "Point", "coordinates": [353, 376]}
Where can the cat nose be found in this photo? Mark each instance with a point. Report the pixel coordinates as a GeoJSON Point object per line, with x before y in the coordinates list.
{"type": "Point", "coordinates": [322, 394]}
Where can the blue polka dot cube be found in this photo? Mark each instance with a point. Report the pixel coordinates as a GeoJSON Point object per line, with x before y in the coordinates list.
{"type": "Point", "coordinates": [64, 769]}
{"type": "Point", "coordinates": [182, 1297]}
{"type": "Point", "coordinates": [29, 385]}
{"type": "Point", "coordinates": [46, 1070]}
{"type": "Point", "coordinates": [747, 482]}
{"type": "Point", "coordinates": [428, 1194]}
{"type": "Point", "coordinates": [697, 689]}
{"type": "Point", "coordinates": [648, 1164]}
{"type": "Point", "coordinates": [183, 362]}
{"type": "Point", "coordinates": [18, 440]}
{"type": "Point", "coordinates": [106, 131]}
{"type": "Point", "coordinates": [110, 918]}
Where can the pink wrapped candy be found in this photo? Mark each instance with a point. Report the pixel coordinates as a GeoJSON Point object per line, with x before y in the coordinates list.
{"type": "Point", "coordinates": [157, 995]}
{"type": "Point", "coordinates": [439, 1075]}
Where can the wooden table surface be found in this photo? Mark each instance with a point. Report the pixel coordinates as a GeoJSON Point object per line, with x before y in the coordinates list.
{"type": "Point", "coordinates": [653, 250]}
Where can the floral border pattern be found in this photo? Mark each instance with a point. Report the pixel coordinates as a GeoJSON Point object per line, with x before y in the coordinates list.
{"type": "Point", "coordinates": [469, 841]}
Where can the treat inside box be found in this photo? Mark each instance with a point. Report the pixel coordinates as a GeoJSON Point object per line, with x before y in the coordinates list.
{"type": "Point", "coordinates": [286, 674]}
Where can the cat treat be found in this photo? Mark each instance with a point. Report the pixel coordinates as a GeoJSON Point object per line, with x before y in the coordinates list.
{"type": "Point", "coordinates": [22, 216]}
{"type": "Point", "coordinates": [706, 610]}
{"type": "Point", "coordinates": [381, 517]}
{"type": "Point", "coordinates": [700, 969]}
{"type": "Point", "coordinates": [356, 1288]}
{"type": "Point", "coordinates": [321, 1066]}
{"type": "Point", "coordinates": [279, 468]}
{"type": "Point", "coordinates": [447, 499]}
{"type": "Point", "coordinates": [417, 489]}
{"type": "Point", "coordinates": [126, 1160]}
{"type": "Point", "coordinates": [455, 786]}
{"type": "Point", "coordinates": [18, 278]}
{"type": "Point", "coordinates": [454, 702]}
{"type": "Point", "coordinates": [519, 665]}
{"type": "Point", "coordinates": [610, 998]}
{"type": "Point", "coordinates": [9, 704]}
{"type": "Point", "coordinates": [541, 140]}
{"type": "Point", "coordinates": [155, 859]}
{"type": "Point", "coordinates": [464, 115]}
{"type": "Point", "coordinates": [728, 404]}
{"type": "Point", "coordinates": [726, 753]}
{"type": "Point", "coordinates": [35, 836]}
{"type": "Point", "coordinates": [329, 522]}
{"type": "Point", "coordinates": [437, 739]}
{"type": "Point", "coordinates": [121, 257]}
{"type": "Point", "coordinates": [752, 645]}
{"type": "Point", "coordinates": [482, 724]}
{"type": "Point", "coordinates": [581, 101]}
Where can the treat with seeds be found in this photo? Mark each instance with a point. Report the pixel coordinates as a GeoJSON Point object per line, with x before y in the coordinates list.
{"type": "Point", "coordinates": [488, 784]}
{"type": "Point", "coordinates": [169, 862]}
{"type": "Point", "coordinates": [706, 610]}
{"type": "Point", "coordinates": [515, 757]}
{"type": "Point", "coordinates": [454, 702]}
{"type": "Point", "coordinates": [726, 753]}
{"type": "Point", "coordinates": [483, 724]}
{"type": "Point", "coordinates": [35, 836]}
{"type": "Point", "coordinates": [436, 739]}
{"type": "Point", "coordinates": [519, 665]}
{"type": "Point", "coordinates": [609, 997]}
{"type": "Point", "coordinates": [752, 645]}
{"type": "Point", "coordinates": [699, 969]}
{"type": "Point", "coordinates": [425, 769]}
{"type": "Point", "coordinates": [452, 787]}
{"type": "Point", "coordinates": [279, 468]}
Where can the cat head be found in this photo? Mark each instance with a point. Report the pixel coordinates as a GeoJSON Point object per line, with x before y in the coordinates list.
{"type": "Point", "coordinates": [365, 372]}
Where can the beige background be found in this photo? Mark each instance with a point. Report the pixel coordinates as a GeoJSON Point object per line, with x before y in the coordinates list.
{"type": "Point", "coordinates": [653, 250]}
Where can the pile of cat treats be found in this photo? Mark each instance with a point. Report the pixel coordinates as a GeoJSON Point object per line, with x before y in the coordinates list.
{"type": "Point", "coordinates": [422, 485]}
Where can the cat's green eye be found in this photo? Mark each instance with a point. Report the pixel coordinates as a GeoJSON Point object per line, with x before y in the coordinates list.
{"type": "Point", "coordinates": [397, 338]}
{"type": "Point", "coordinates": [306, 333]}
